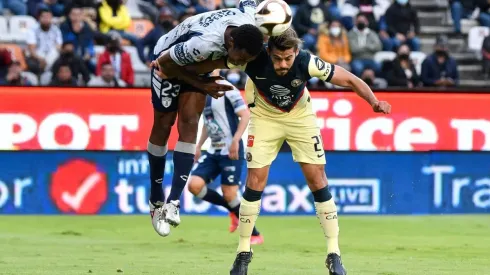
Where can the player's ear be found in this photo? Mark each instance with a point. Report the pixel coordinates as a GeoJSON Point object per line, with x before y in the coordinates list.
{"type": "Point", "coordinates": [232, 43]}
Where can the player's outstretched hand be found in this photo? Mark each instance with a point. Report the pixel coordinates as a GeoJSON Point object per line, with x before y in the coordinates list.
{"type": "Point", "coordinates": [382, 107]}
{"type": "Point", "coordinates": [212, 87]}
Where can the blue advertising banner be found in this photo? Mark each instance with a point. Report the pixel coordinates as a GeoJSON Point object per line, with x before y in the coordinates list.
{"type": "Point", "coordinates": [79, 182]}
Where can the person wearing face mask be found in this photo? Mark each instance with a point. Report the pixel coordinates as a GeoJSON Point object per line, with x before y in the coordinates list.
{"type": "Point", "coordinates": [402, 25]}
{"type": "Point", "coordinates": [43, 42]}
{"type": "Point", "coordinates": [440, 69]}
{"type": "Point", "coordinates": [364, 44]}
{"type": "Point", "coordinates": [165, 24]}
{"type": "Point", "coordinates": [234, 77]}
{"type": "Point", "coordinates": [68, 57]}
{"type": "Point", "coordinates": [307, 19]}
{"type": "Point", "coordinates": [401, 71]}
{"type": "Point", "coordinates": [120, 60]}
{"type": "Point", "coordinates": [333, 45]}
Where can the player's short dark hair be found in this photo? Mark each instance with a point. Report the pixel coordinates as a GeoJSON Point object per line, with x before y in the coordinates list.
{"type": "Point", "coordinates": [287, 40]}
{"type": "Point", "coordinates": [248, 37]}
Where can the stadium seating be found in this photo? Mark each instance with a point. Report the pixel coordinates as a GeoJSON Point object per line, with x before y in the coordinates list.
{"type": "Point", "coordinates": [32, 78]}
{"type": "Point", "coordinates": [140, 27]}
{"type": "Point", "coordinates": [133, 8]}
{"type": "Point", "coordinates": [417, 59]}
{"type": "Point", "coordinates": [20, 25]}
{"type": "Point", "coordinates": [4, 32]}
{"type": "Point", "coordinates": [17, 53]}
{"type": "Point", "coordinates": [476, 37]}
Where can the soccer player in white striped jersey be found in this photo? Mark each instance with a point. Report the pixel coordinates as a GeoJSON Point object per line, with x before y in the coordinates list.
{"type": "Point", "coordinates": [213, 35]}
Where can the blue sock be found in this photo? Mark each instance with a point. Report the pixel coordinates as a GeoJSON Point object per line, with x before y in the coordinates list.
{"type": "Point", "coordinates": [183, 161]}
{"type": "Point", "coordinates": [157, 156]}
{"type": "Point", "coordinates": [213, 197]}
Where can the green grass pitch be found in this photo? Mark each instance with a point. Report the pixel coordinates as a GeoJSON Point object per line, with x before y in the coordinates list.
{"type": "Point", "coordinates": [389, 245]}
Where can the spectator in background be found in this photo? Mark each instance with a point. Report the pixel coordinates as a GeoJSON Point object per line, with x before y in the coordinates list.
{"type": "Point", "coordinates": [44, 43]}
{"type": "Point", "coordinates": [486, 56]}
{"type": "Point", "coordinates": [70, 58]}
{"type": "Point", "coordinates": [333, 9]}
{"type": "Point", "coordinates": [209, 5]}
{"type": "Point", "coordinates": [5, 60]}
{"type": "Point", "coordinates": [16, 7]}
{"type": "Point", "coordinates": [364, 7]}
{"type": "Point", "coordinates": [440, 69]}
{"type": "Point", "coordinates": [120, 60]}
{"type": "Point", "coordinates": [14, 76]}
{"type": "Point", "coordinates": [56, 8]}
{"type": "Point", "coordinates": [333, 44]}
{"type": "Point", "coordinates": [402, 25]}
{"type": "Point", "coordinates": [64, 77]}
{"type": "Point", "coordinates": [188, 6]}
{"type": "Point", "coordinates": [114, 16]}
{"type": "Point", "coordinates": [308, 17]}
{"type": "Point", "coordinates": [461, 9]}
{"type": "Point", "coordinates": [107, 77]}
{"type": "Point", "coordinates": [483, 15]}
{"type": "Point", "coordinates": [364, 43]}
{"type": "Point", "coordinates": [369, 76]}
{"type": "Point", "coordinates": [235, 77]}
{"type": "Point", "coordinates": [81, 35]}
{"type": "Point", "coordinates": [226, 4]}
{"type": "Point", "coordinates": [401, 72]}
{"type": "Point", "coordinates": [164, 25]}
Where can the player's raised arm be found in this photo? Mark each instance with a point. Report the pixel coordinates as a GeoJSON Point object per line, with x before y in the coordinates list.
{"type": "Point", "coordinates": [341, 77]}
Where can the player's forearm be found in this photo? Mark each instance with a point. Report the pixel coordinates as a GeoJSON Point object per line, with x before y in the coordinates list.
{"type": "Point", "coordinates": [363, 90]}
{"type": "Point", "coordinates": [203, 138]}
{"type": "Point", "coordinates": [348, 80]}
{"type": "Point", "coordinates": [242, 125]}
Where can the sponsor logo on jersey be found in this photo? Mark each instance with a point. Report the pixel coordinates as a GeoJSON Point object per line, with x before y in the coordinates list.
{"type": "Point", "coordinates": [250, 141]}
{"type": "Point", "coordinates": [281, 95]}
{"type": "Point", "coordinates": [320, 64]}
{"type": "Point", "coordinates": [249, 156]}
{"type": "Point", "coordinates": [279, 90]}
{"type": "Point", "coordinates": [295, 83]}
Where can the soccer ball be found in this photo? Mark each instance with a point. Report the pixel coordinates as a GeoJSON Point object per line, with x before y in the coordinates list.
{"type": "Point", "coordinates": [273, 17]}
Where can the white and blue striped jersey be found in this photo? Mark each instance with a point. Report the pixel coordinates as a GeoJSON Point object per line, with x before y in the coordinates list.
{"type": "Point", "coordinates": [201, 36]}
{"type": "Point", "coordinates": [221, 121]}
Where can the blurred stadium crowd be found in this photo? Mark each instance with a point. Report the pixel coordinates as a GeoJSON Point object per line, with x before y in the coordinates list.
{"type": "Point", "coordinates": [109, 42]}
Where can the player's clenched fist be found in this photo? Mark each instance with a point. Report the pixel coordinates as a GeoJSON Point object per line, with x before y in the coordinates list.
{"type": "Point", "coordinates": [382, 107]}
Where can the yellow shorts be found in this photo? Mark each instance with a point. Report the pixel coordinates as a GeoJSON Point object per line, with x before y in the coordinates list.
{"type": "Point", "coordinates": [299, 129]}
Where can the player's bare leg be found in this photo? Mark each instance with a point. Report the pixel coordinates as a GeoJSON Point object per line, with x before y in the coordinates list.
{"type": "Point", "coordinates": [229, 200]}
{"type": "Point", "coordinates": [157, 156]}
{"type": "Point", "coordinates": [191, 106]}
{"type": "Point", "coordinates": [326, 211]}
{"type": "Point", "coordinates": [249, 211]}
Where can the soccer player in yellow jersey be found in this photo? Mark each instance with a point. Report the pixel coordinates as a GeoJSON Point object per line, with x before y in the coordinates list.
{"type": "Point", "coordinates": [281, 110]}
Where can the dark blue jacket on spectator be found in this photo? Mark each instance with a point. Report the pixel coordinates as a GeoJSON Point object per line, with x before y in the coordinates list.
{"type": "Point", "coordinates": [151, 39]}
{"type": "Point", "coordinates": [433, 71]}
{"type": "Point", "coordinates": [83, 41]}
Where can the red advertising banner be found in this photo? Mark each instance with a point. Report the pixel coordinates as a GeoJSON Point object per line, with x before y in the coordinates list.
{"type": "Point", "coordinates": [121, 119]}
